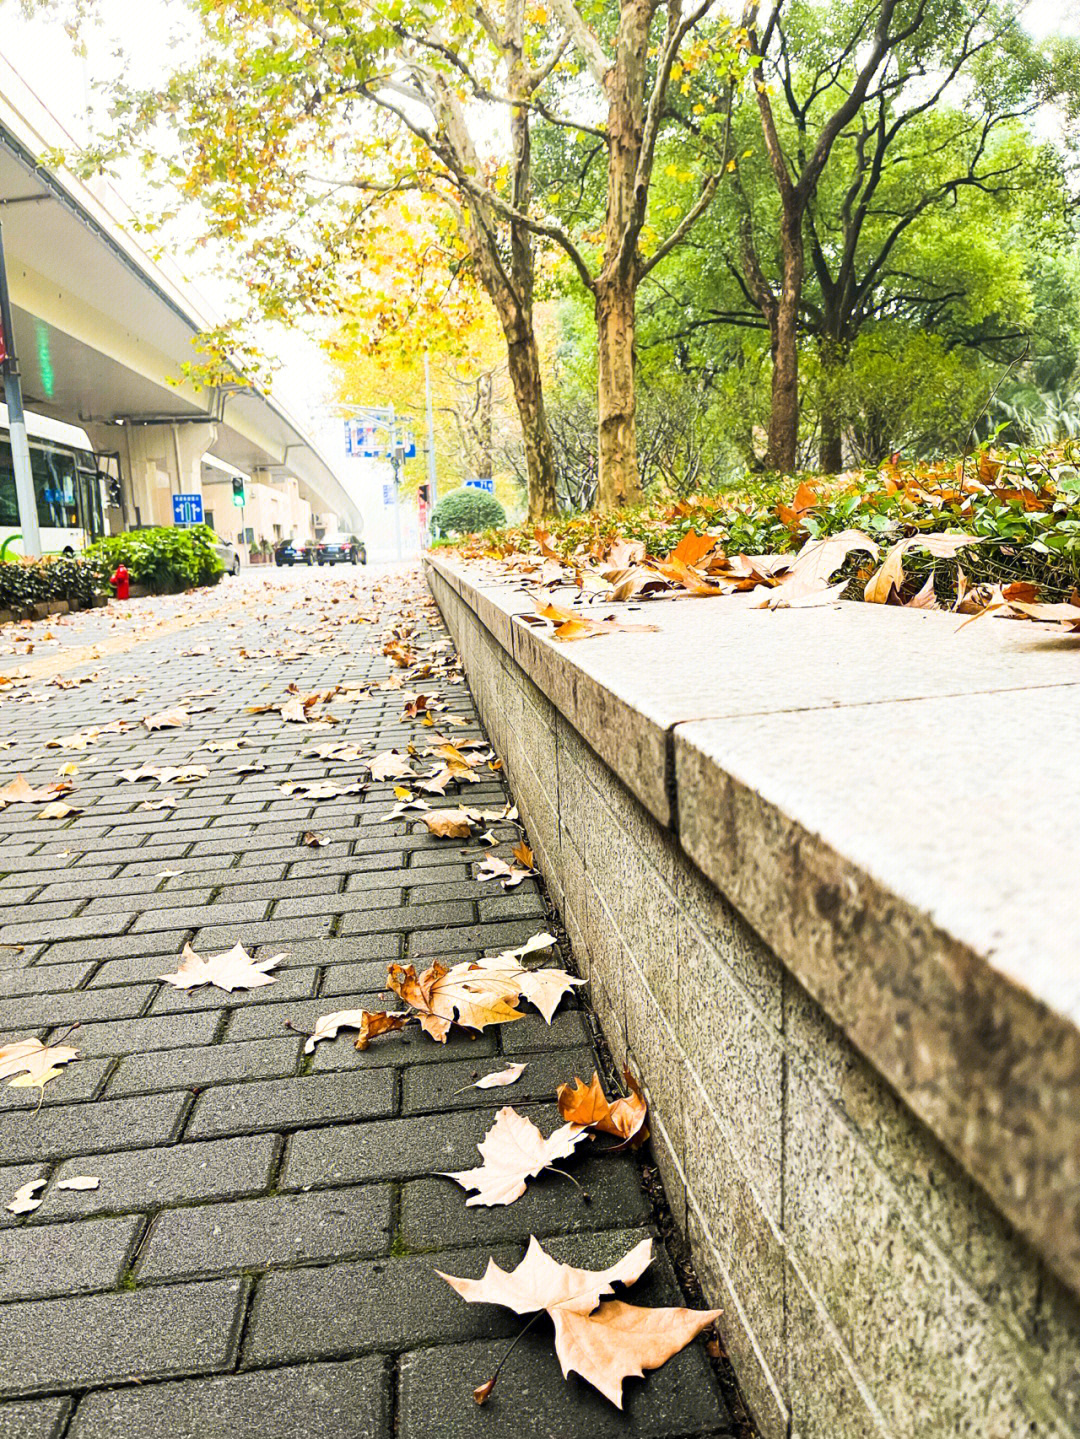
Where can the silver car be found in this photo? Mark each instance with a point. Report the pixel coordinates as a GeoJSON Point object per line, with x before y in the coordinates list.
{"type": "Point", "coordinates": [226, 553]}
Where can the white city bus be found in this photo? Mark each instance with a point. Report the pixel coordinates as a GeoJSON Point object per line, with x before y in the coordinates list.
{"type": "Point", "coordinates": [67, 486]}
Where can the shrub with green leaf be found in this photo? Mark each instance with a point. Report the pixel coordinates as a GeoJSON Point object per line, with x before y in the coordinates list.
{"type": "Point", "coordinates": [26, 582]}
{"type": "Point", "coordinates": [164, 559]}
{"type": "Point", "coordinates": [466, 512]}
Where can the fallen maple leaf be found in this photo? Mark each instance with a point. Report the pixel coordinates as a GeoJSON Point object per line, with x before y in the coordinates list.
{"type": "Point", "coordinates": [459, 995]}
{"type": "Point", "coordinates": [33, 1063]}
{"type": "Point", "coordinates": [58, 810]}
{"type": "Point", "coordinates": [588, 1105]}
{"type": "Point", "coordinates": [390, 765]}
{"type": "Point", "coordinates": [524, 855]}
{"type": "Point", "coordinates": [884, 586]}
{"type": "Point", "coordinates": [514, 1151]}
{"type": "Point", "coordinates": [19, 791]}
{"type": "Point", "coordinates": [167, 719]}
{"type": "Point", "coordinates": [368, 1025]}
{"type": "Point", "coordinates": [448, 823]}
{"type": "Point", "coordinates": [319, 789]}
{"type": "Point", "coordinates": [495, 868]}
{"type": "Point", "coordinates": [806, 582]}
{"type": "Point", "coordinates": [617, 1342]}
{"type": "Point", "coordinates": [570, 625]}
{"type": "Point", "coordinates": [235, 969]}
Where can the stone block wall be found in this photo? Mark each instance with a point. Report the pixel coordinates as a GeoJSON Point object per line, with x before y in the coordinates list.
{"type": "Point", "coordinates": [869, 1286]}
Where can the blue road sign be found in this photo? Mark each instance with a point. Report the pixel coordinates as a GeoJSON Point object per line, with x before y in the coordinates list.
{"type": "Point", "coordinates": [187, 509]}
{"type": "Point", "coordinates": [485, 483]}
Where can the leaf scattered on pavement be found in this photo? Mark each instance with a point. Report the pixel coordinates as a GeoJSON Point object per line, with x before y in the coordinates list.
{"type": "Point", "coordinates": [502, 1077]}
{"type": "Point", "coordinates": [514, 1151]}
{"type": "Point", "coordinates": [588, 1105]}
{"type": "Point", "coordinates": [78, 1181]}
{"type": "Point", "coordinates": [235, 969]}
{"type": "Point", "coordinates": [23, 1200]}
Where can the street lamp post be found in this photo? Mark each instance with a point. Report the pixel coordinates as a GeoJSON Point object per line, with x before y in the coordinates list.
{"type": "Point", "coordinates": [20, 446]}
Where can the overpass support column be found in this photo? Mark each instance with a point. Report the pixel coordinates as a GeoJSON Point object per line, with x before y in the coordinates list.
{"type": "Point", "coordinates": [161, 460]}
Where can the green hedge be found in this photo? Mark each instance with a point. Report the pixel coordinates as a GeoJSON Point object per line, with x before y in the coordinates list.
{"type": "Point", "coordinates": [25, 582]}
{"type": "Point", "coordinates": [465, 512]}
{"type": "Point", "coordinates": [163, 559]}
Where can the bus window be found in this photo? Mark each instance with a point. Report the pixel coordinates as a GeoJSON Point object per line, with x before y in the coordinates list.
{"type": "Point", "coordinates": [54, 487]}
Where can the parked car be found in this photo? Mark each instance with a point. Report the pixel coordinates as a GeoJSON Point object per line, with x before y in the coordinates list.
{"type": "Point", "coordinates": [226, 553]}
{"type": "Point", "coordinates": [341, 552]}
{"type": "Point", "coordinates": [293, 552]}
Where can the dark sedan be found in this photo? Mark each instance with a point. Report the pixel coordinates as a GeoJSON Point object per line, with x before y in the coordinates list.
{"type": "Point", "coordinates": [293, 552]}
{"type": "Point", "coordinates": [341, 552]}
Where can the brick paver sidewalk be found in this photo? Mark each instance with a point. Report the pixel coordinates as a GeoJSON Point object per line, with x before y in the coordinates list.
{"type": "Point", "coordinates": [259, 1257]}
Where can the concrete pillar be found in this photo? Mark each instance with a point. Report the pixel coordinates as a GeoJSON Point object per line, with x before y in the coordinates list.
{"type": "Point", "coordinates": [158, 461]}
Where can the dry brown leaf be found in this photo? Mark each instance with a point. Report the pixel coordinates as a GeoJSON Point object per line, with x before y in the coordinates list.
{"type": "Point", "coordinates": [448, 823]}
{"type": "Point", "coordinates": [885, 584]}
{"type": "Point", "coordinates": [58, 810]}
{"type": "Point", "coordinates": [313, 840]}
{"type": "Point", "coordinates": [319, 788]}
{"type": "Point", "coordinates": [167, 801]}
{"type": "Point", "coordinates": [461, 995]}
{"type": "Point", "coordinates": [368, 1024]}
{"type": "Point", "coordinates": [293, 711]}
{"type": "Point", "coordinates": [571, 625]}
{"type": "Point", "coordinates": [514, 1151]}
{"type": "Point", "coordinates": [524, 855]}
{"type": "Point", "coordinates": [167, 719]}
{"type": "Point", "coordinates": [390, 765]}
{"type": "Point", "coordinates": [235, 969]}
{"type": "Point", "coordinates": [806, 582]}
{"type": "Point", "coordinates": [1066, 615]}
{"type": "Point", "coordinates": [588, 1105]}
{"type": "Point", "coordinates": [78, 1181]}
{"type": "Point", "coordinates": [23, 1200]}
{"type": "Point", "coordinates": [616, 1342]}
{"type": "Point", "coordinates": [20, 791]}
{"type": "Point", "coordinates": [495, 868]}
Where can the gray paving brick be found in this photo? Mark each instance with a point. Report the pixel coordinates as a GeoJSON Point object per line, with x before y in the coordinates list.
{"type": "Point", "coordinates": [491, 938]}
{"type": "Point", "coordinates": [336, 1401]}
{"type": "Point", "coordinates": [120, 946]}
{"type": "Point", "coordinates": [258, 1021]}
{"type": "Point", "coordinates": [510, 906]}
{"type": "Point", "coordinates": [140, 1179]}
{"type": "Point", "coordinates": [352, 978]}
{"type": "Point", "coordinates": [132, 1036]}
{"type": "Point", "coordinates": [288, 1103]}
{"type": "Point", "coordinates": [390, 1304]}
{"type": "Point", "coordinates": [84, 1004]}
{"type": "Point", "coordinates": [47, 979]}
{"type": "Point", "coordinates": [445, 1086]}
{"type": "Point", "coordinates": [78, 928]}
{"type": "Point", "coordinates": [198, 915]}
{"type": "Point", "coordinates": [433, 1211]}
{"type": "Point", "coordinates": [82, 1079]}
{"type": "Point", "coordinates": [279, 1229]}
{"type": "Point", "coordinates": [144, 903]}
{"type": "Point", "coordinates": [207, 1064]}
{"type": "Point", "coordinates": [91, 1128]}
{"type": "Point", "coordinates": [569, 1029]}
{"type": "Point", "coordinates": [681, 1399]}
{"type": "Point", "coordinates": [422, 917]}
{"type": "Point", "coordinates": [34, 1418]}
{"type": "Point", "coordinates": [391, 1149]}
{"type": "Point", "coordinates": [163, 1332]}
{"type": "Point", "coordinates": [356, 948]}
{"type": "Point", "coordinates": [46, 1259]}
{"type": "Point", "coordinates": [405, 1047]}
{"type": "Point", "coordinates": [279, 932]}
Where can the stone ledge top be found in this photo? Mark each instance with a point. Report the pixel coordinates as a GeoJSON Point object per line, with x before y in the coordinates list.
{"type": "Point", "coordinates": [895, 806]}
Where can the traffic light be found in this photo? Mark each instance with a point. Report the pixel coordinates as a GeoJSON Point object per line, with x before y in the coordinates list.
{"type": "Point", "coordinates": [239, 499]}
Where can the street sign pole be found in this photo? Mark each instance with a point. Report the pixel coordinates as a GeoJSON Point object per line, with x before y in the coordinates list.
{"type": "Point", "coordinates": [20, 447]}
{"type": "Point", "coordinates": [432, 493]}
{"type": "Point", "coordinates": [395, 463]}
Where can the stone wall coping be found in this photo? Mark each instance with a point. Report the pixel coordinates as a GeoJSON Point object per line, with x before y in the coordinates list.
{"type": "Point", "coordinates": [894, 806]}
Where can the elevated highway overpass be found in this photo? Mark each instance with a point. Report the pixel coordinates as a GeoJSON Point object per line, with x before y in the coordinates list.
{"type": "Point", "coordinates": [102, 331]}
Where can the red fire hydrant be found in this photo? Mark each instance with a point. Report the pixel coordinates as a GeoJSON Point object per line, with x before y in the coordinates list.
{"type": "Point", "coordinates": [121, 582]}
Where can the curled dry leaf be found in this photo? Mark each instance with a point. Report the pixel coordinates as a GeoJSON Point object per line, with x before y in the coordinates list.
{"type": "Point", "coordinates": [524, 855]}
{"type": "Point", "coordinates": [58, 810]}
{"type": "Point", "coordinates": [235, 969]}
{"type": "Point", "coordinates": [588, 1105]}
{"type": "Point", "coordinates": [604, 1345]}
{"type": "Point", "coordinates": [884, 586]}
{"type": "Point", "coordinates": [368, 1025]}
{"type": "Point", "coordinates": [807, 581]}
{"type": "Point", "coordinates": [20, 791]}
{"type": "Point", "coordinates": [571, 625]}
{"type": "Point", "coordinates": [502, 1077]}
{"type": "Point", "coordinates": [495, 868]}
{"type": "Point", "coordinates": [23, 1201]}
{"type": "Point", "coordinates": [390, 765]}
{"type": "Point", "coordinates": [442, 996]}
{"type": "Point", "coordinates": [514, 1150]}
{"type": "Point", "coordinates": [313, 840]}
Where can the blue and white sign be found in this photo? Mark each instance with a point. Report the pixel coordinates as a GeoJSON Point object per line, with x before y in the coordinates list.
{"type": "Point", "coordinates": [484, 482]}
{"type": "Point", "coordinates": [388, 494]}
{"type": "Point", "coordinates": [187, 509]}
{"type": "Point", "coordinates": [361, 440]}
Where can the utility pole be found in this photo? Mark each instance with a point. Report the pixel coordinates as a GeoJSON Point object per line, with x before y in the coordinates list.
{"type": "Point", "coordinates": [432, 495]}
{"type": "Point", "coordinates": [395, 464]}
{"type": "Point", "coordinates": [20, 447]}
{"type": "Point", "coordinates": [385, 417]}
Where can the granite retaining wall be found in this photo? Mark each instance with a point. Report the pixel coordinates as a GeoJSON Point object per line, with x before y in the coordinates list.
{"type": "Point", "coordinates": [818, 1048]}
